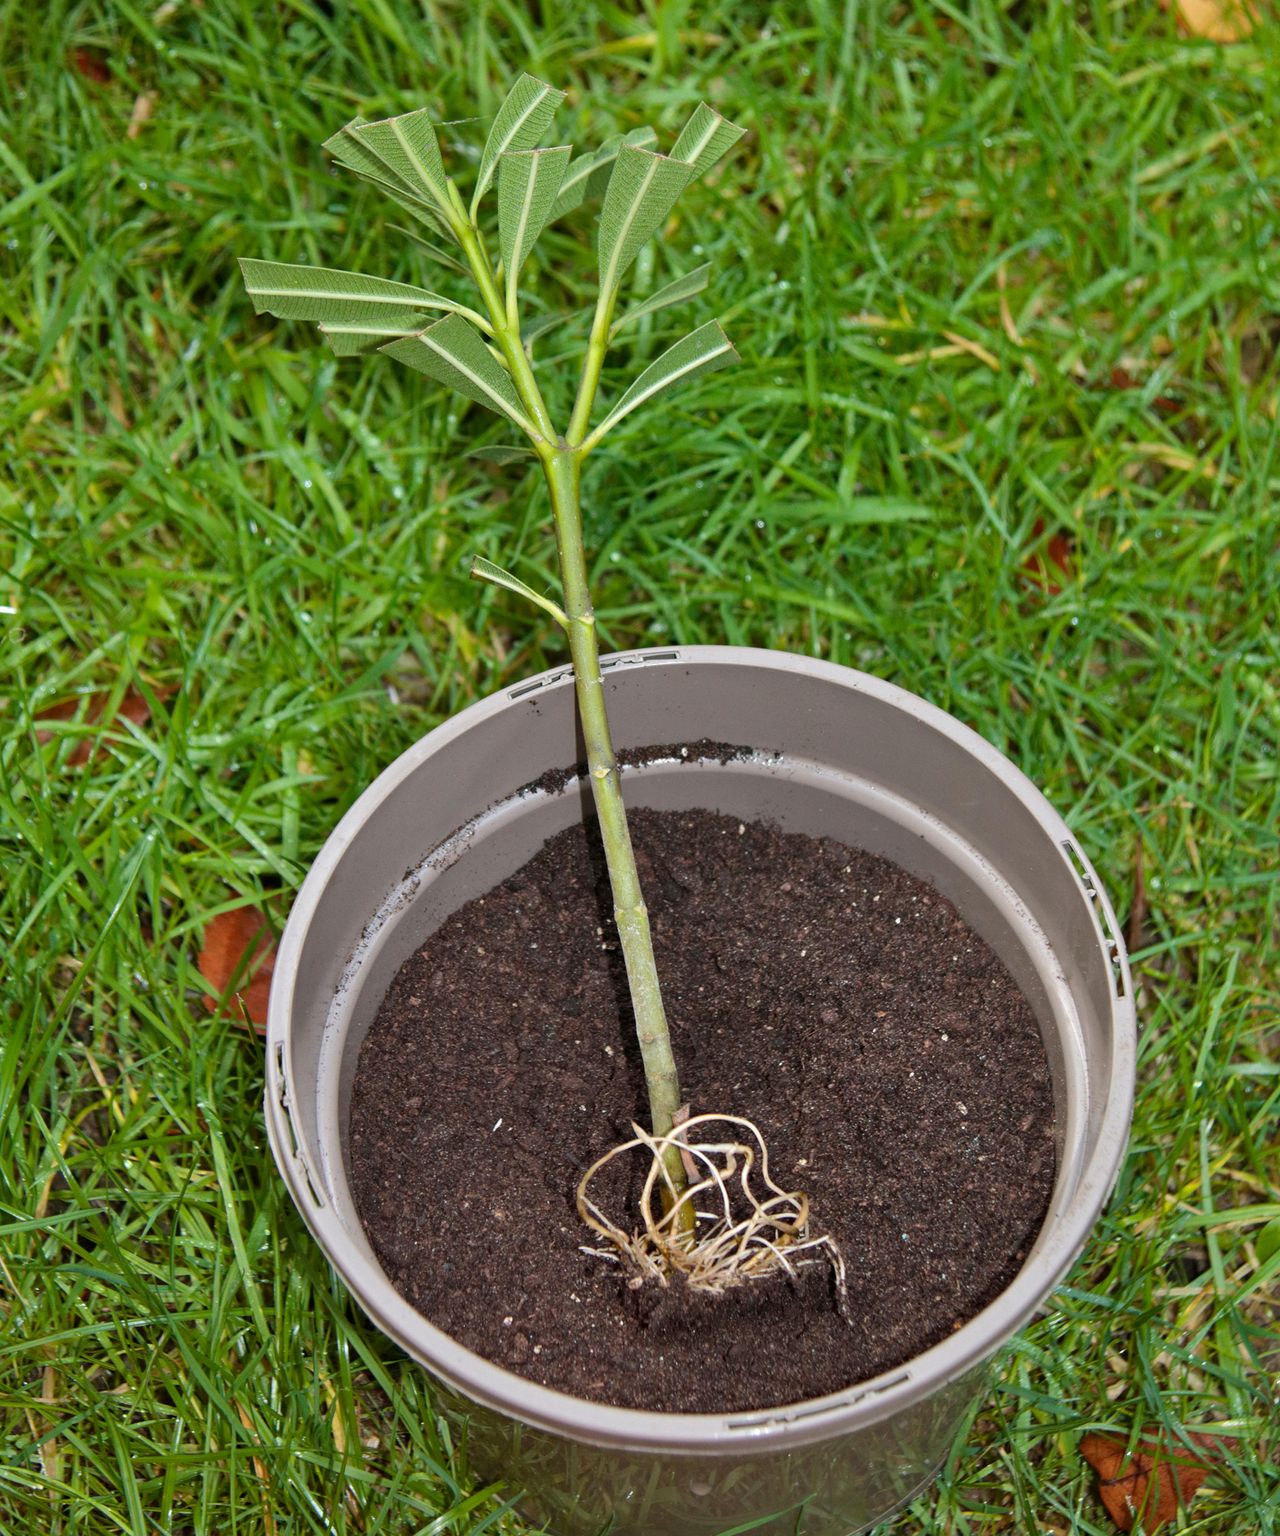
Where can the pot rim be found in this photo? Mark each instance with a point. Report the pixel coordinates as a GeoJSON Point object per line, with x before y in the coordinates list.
{"type": "Point", "coordinates": [787, 1426]}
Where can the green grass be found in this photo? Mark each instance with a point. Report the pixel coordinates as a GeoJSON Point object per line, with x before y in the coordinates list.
{"type": "Point", "coordinates": [203, 507]}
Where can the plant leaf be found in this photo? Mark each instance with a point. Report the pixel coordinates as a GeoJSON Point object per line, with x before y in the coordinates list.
{"type": "Point", "coordinates": [485, 570]}
{"type": "Point", "coordinates": [97, 724]}
{"type": "Point", "coordinates": [588, 175]}
{"type": "Point", "coordinates": [237, 947]}
{"type": "Point", "coordinates": [521, 121]}
{"type": "Point", "coordinates": [499, 453]}
{"type": "Point", "coordinates": [1152, 1482]}
{"type": "Point", "coordinates": [407, 147]}
{"type": "Point", "coordinates": [1218, 21]}
{"type": "Point", "coordinates": [528, 181]}
{"type": "Point", "coordinates": [674, 293]}
{"type": "Point", "coordinates": [339, 300]}
{"type": "Point", "coordinates": [453, 353]}
{"type": "Point", "coordinates": [348, 151]}
{"type": "Point", "coordinates": [705, 138]}
{"type": "Point", "coordinates": [355, 340]}
{"type": "Point", "coordinates": [540, 327]}
{"type": "Point", "coordinates": [701, 351]}
{"type": "Point", "coordinates": [642, 191]}
{"type": "Point", "coordinates": [432, 250]}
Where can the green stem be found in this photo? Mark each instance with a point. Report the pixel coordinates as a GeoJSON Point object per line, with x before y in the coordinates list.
{"type": "Point", "coordinates": [597, 346]}
{"type": "Point", "coordinates": [563, 470]}
{"type": "Point", "coordinates": [506, 331]}
{"type": "Point", "coordinates": [561, 464]}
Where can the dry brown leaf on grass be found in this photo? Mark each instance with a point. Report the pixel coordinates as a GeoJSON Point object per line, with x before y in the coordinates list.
{"type": "Point", "coordinates": [1217, 21]}
{"type": "Point", "coordinates": [91, 65]}
{"type": "Point", "coordinates": [1151, 1484]}
{"type": "Point", "coordinates": [1041, 563]}
{"type": "Point", "coordinates": [1122, 379]}
{"type": "Point", "coordinates": [238, 946]}
{"type": "Point", "coordinates": [131, 707]}
{"type": "Point", "coordinates": [143, 107]}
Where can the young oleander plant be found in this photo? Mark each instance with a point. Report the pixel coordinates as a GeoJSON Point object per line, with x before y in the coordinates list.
{"type": "Point", "coordinates": [709, 1209]}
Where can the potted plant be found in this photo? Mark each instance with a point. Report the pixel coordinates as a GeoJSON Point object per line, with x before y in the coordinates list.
{"type": "Point", "coordinates": [817, 749]}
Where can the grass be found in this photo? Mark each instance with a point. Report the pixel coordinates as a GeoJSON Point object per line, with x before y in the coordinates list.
{"type": "Point", "coordinates": [999, 272]}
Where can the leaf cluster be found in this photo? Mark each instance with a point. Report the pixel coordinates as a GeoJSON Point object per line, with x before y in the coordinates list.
{"type": "Point", "coordinates": [480, 349]}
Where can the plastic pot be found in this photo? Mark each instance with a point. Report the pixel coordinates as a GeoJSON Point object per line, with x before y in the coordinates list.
{"type": "Point", "coordinates": [838, 754]}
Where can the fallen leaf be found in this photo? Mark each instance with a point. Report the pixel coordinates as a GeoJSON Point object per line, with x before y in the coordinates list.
{"type": "Point", "coordinates": [91, 65]}
{"type": "Point", "coordinates": [1121, 378]}
{"type": "Point", "coordinates": [1217, 21]}
{"type": "Point", "coordinates": [143, 107]}
{"type": "Point", "coordinates": [1056, 553]}
{"type": "Point", "coordinates": [131, 707]}
{"type": "Point", "coordinates": [1151, 1484]}
{"type": "Point", "coordinates": [228, 939]}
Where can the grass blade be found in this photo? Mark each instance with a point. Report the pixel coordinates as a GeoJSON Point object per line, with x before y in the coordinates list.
{"type": "Point", "coordinates": [701, 351]}
{"type": "Point", "coordinates": [521, 121]}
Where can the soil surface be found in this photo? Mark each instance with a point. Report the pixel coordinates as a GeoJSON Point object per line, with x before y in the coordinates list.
{"type": "Point", "coordinates": [893, 1066]}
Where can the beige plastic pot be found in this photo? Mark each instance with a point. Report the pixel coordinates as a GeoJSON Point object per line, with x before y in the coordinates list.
{"type": "Point", "coordinates": [838, 754]}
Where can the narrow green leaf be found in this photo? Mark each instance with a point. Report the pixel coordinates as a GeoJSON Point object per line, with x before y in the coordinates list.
{"type": "Point", "coordinates": [407, 147]}
{"type": "Point", "coordinates": [485, 570]}
{"type": "Point", "coordinates": [588, 175]}
{"type": "Point", "coordinates": [642, 192]}
{"type": "Point", "coordinates": [499, 453]}
{"type": "Point", "coordinates": [853, 511]}
{"type": "Point", "coordinates": [338, 298]}
{"type": "Point", "coordinates": [348, 150]}
{"type": "Point", "coordinates": [453, 353]}
{"type": "Point", "coordinates": [701, 351]}
{"type": "Point", "coordinates": [538, 328]}
{"type": "Point", "coordinates": [351, 340]}
{"type": "Point", "coordinates": [673, 293]}
{"type": "Point", "coordinates": [528, 181]}
{"type": "Point", "coordinates": [705, 138]}
{"type": "Point", "coordinates": [521, 121]}
{"type": "Point", "coordinates": [432, 250]}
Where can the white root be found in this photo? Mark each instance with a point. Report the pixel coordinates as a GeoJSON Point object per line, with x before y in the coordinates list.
{"type": "Point", "coordinates": [767, 1234]}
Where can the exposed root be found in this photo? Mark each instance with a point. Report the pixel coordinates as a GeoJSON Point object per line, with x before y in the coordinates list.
{"type": "Point", "coordinates": [737, 1235]}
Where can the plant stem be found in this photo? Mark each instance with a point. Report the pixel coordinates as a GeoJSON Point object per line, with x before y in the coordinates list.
{"type": "Point", "coordinates": [562, 465]}
{"type": "Point", "coordinates": [597, 346]}
{"type": "Point", "coordinates": [563, 468]}
{"type": "Point", "coordinates": [506, 330]}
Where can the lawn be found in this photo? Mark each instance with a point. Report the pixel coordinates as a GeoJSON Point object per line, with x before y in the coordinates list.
{"type": "Point", "coordinates": [1003, 277]}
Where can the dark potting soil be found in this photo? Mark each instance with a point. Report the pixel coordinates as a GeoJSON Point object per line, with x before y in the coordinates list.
{"type": "Point", "coordinates": [893, 1066]}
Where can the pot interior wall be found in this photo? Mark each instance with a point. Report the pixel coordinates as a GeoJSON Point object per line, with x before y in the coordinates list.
{"type": "Point", "coordinates": [828, 759]}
